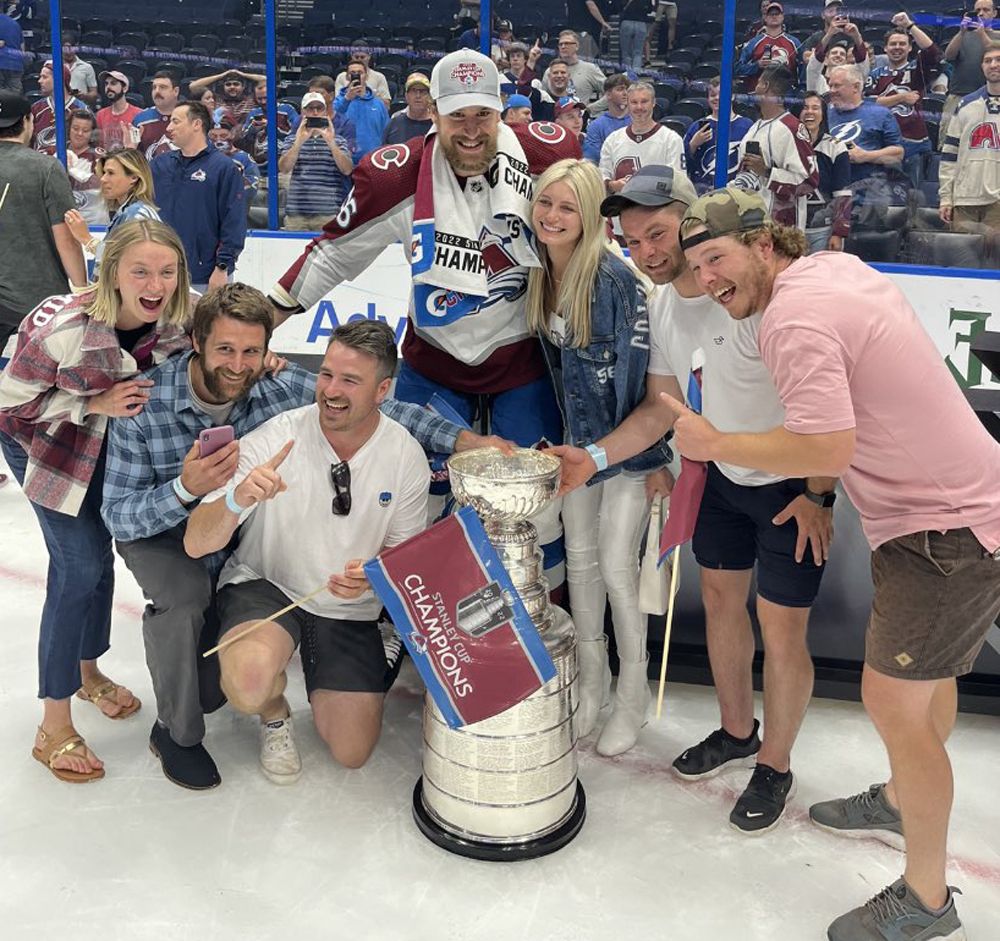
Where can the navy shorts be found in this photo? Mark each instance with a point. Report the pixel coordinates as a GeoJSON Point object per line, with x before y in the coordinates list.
{"type": "Point", "coordinates": [341, 655]}
{"type": "Point", "coordinates": [734, 531]}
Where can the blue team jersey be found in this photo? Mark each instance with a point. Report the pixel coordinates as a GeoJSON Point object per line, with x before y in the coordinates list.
{"type": "Point", "coordinates": [870, 127]}
{"type": "Point", "coordinates": [701, 162]}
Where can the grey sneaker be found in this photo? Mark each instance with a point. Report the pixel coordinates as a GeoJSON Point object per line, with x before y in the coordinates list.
{"type": "Point", "coordinates": [279, 757]}
{"type": "Point", "coordinates": [895, 914]}
{"type": "Point", "coordinates": [867, 814]}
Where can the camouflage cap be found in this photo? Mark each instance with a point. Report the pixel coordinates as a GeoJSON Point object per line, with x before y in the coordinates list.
{"type": "Point", "coordinates": [722, 212]}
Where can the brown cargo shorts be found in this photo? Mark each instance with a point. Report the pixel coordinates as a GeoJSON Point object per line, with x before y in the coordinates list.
{"type": "Point", "coordinates": [936, 596]}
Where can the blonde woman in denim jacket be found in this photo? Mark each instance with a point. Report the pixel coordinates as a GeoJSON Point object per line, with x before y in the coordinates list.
{"type": "Point", "coordinates": [588, 308]}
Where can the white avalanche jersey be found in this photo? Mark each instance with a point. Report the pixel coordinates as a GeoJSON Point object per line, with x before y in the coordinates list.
{"type": "Point", "coordinates": [970, 157]}
{"type": "Point", "coordinates": [624, 151]}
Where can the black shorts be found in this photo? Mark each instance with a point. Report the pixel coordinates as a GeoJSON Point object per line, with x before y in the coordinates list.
{"type": "Point", "coordinates": [341, 655]}
{"type": "Point", "coordinates": [734, 530]}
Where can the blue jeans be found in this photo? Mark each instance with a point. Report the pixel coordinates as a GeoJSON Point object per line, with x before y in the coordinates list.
{"type": "Point", "coordinates": [76, 616]}
{"type": "Point", "coordinates": [631, 39]}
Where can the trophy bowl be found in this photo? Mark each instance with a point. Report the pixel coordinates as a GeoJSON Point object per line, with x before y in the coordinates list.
{"type": "Point", "coordinates": [504, 488]}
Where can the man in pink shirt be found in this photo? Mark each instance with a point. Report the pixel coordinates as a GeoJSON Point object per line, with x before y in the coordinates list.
{"type": "Point", "coordinates": [863, 388]}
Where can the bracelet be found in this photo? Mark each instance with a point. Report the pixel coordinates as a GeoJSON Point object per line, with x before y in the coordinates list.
{"type": "Point", "coordinates": [599, 455]}
{"type": "Point", "coordinates": [183, 494]}
{"type": "Point", "coordinates": [231, 503]}
{"type": "Point", "coordinates": [91, 246]}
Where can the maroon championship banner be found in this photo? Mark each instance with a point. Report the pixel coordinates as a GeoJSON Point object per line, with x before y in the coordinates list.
{"type": "Point", "coordinates": [461, 619]}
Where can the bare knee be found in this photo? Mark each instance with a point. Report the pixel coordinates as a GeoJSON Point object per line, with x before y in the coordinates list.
{"type": "Point", "coordinates": [724, 596]}
{"type": "Point", "coordinates": [248, 682]}
{"type": "Point", "coordinates": [350, 753]}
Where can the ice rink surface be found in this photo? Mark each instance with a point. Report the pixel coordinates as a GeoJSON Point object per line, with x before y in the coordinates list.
{"type": "Point", "coordinates": [337, 855]}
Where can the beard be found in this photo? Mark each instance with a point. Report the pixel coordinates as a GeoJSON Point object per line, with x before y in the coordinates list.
{"type": "Point", "coordinates": [466, 165]}
{"type": "Point", "coordinates": [113, 96]}
{"type": "Point", "coordinates": [220, 392]}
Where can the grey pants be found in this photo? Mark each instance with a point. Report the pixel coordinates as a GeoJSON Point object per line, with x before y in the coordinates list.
{"type": "Point", "coordinates": [178, 624]}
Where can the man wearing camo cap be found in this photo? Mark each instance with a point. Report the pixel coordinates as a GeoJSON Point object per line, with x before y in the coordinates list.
{"type": "Point", "coordinates": [861, 382]}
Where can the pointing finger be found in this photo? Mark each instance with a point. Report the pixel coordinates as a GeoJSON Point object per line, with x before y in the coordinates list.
{"type": "Point", "coordinates": [275, 462]}
{"type": "Point", "coordinates": [678, 408]}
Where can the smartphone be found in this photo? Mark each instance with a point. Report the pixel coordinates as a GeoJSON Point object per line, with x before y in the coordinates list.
{"type": "Point", "coordinates": [316, 122]}
{"type": "Point", "coordinates": [849, 145]}
{"type": "Point", "coordinates": [356, 81]}
{"type": "Point", "coordinates": [212, 439]}
{"type": "Point", "coordinates": [752, 147]}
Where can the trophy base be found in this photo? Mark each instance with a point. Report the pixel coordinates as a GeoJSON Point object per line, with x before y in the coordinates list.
{"type": "Point", "coordinates": [493, 852]}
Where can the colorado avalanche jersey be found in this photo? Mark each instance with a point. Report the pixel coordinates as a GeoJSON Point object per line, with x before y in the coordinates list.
{"type": "Point", "coordinates": [624, 151]}
{"type": "Point", "coordinates": [44, 137]}
{"type": "Point", "coordinates": [153, 139]}
{"type": "Point", "coordinates": [915, 75]}
{"type": "Point", "coordinates": [486, 351]}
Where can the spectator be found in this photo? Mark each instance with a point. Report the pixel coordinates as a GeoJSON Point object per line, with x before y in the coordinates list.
{"type": "Point", "coordinates": [641, 143]}
{"type": "Point", "coordinates": [965, 52]}
{"type": "Point", "coordinates": [586, 79]}
{"type": "Point", "coordinates": [81, 165]}
{"type": "Point", "coordinates": [223, 137]}
{"type": "Point", "coordinates": [771, 46]}
{"type": "Point", "coordinates": [569, 114]}
{"type": "Point", "coordinates": [357, 103]}
{"type": "Point", "coordinates": [254, 136]}
{"type": "Point", "coordinates": [839, 52]}
{"type": "Point", "coordinates": [504, 40]}
{"type": "Point", "coordinates": [556, 81]}
{"type": "Point", "coordinates": [701, 138]}
{"type": "Point", "coordinates": [633, 24]}
{"type": "Point", "coordinates": [840, 30]}
{"type": "Point", "coordinates": [415, 119]}
{"type": "Point", "coordinates": [588, 18]}
{"type": "Point", "coordinates": [114, 121]}
{"type": "Point", "coordinates": [343, 655]}
{"type": "Point", "coordinates": [82, 80]}
{"type": "Point", "coordinates": [970, 158]}
{"type": "Point", "coordinates": [319, 160]}
{"type": "Point", "coordinates": [127, 189]}
{"type": "Point", "coordinates": [615, 117]}
{"type": "Point", "coordinates": [901, 86]}
{"type": "Point", "coordinates": [522, 62]}
{"type": "Point", "coordinates": [11, 59]}
{"type": "Point", "coordinates": [517, 110]}
{"type": "Point", "coordinates": [207, 98]}
{"type": "Point", "coordinates": [868, 130]}
{"type": "Point", "coordinates": [153, 122]}
{"type": "Point", "coordinates": [233, 90]}
{"type": "Point", "coordinates": [776, 157]}
{"type": "Point", "coordinates": [828, 209]}
{"type": "Point", "coordinates": [666, 10]}
{"type": "Point", "coordinates": [835, 23]}
{"type": "Point", "coordinates": [200, 193]}
{"type": "Point", "coordinates": [43, 111]}
{"type": "Point", "coordinates": [375, 80]}
{"type": "Point", "coordinates": [39, 253]}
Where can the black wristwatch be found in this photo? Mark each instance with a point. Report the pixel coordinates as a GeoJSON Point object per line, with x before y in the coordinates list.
{"type": "Point", "coordinates": [825, 500]}
{"type": "Point", "coordinates": [221, 266]}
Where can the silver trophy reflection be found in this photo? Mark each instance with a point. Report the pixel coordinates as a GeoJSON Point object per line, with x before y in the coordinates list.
{"type": "Point", "coordinates": [506, 788]}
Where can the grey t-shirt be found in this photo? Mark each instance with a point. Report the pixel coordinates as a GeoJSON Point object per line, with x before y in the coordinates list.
{"type": "Point", "coordinates": [34, 196]}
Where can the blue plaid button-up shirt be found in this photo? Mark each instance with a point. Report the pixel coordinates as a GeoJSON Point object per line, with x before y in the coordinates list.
{"type": "Point", "coordinates": [146, 451]}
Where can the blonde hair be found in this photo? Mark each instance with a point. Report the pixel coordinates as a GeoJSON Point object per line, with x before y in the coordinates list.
{"type": "Point", "coordinates": [574, 295]}
{"type": "Point", "coordinates": [786, 239]}
{"type": "Point", "coordinates": [135, 164]}
{"type": "Point", "coordinates": [107, 300]}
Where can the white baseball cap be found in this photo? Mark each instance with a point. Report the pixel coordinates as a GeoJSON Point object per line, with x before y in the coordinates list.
{"type": "Point", "coordinates": [465, 79]}
{"type": "Point", "coordinates": [313, 98]}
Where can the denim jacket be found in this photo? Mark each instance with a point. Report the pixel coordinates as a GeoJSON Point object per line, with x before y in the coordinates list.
{"type": "Point", "coordinates": [603, 382]}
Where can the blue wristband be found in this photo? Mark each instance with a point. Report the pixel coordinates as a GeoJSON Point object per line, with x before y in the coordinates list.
{"type": "Point", "coordinates": [599, 455]}
{"type": "Point", "coordinates": [183, 494]}
{"type": "Point", "coordinates": [231, 503]}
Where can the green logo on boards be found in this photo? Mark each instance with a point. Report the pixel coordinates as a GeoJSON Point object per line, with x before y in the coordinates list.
{"type": "Point", "coordinates": [971, 323]}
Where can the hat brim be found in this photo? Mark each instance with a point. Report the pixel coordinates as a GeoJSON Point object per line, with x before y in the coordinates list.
{"type": "Point", "coordinates": [113, 77]}
{"type": "Point", "coordinates": [614, 205]}
{"type": "Point", "coordinates": [451, 103]}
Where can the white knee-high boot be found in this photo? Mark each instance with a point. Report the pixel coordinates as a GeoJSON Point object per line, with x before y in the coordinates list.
{"type": "Point", "coordinates": [628, 715]}
{"type": "Point", "coordinates": [594, 684]}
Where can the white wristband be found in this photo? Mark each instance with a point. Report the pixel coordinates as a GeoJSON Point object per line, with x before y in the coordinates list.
{"type": "Point", "coordinates": [183, 494]}
{"type": "Point", "coordinates": [231, 503]}
{"type": "Point", "coordinates": [599, 455]}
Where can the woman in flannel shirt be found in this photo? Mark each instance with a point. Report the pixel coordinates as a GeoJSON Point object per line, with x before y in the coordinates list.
{"type": "Point", "coordinates": [77, 364]}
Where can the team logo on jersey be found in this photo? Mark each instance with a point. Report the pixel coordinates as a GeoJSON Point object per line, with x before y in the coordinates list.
{"type": "Point", "coordinates": [847, 132]}
{"type": "Point", "coordinates": [985, 136]}
{"type": "Point", "coordinates": [468, 73]}
{"type": "Point", "coordinates": [384, 498]}
{"type": "Point", "coordinates": [776, 55]}
{"type": "Point", "coordinates": [626, 167]}
{"type": "Point", "coordinates": [395, 155]}
{"type": "Point", "coordinates": [547, 132]}
{"type": "Point", "coordinates": [199, 176]}
{"type": "Point", "coordinates": [347, 211]}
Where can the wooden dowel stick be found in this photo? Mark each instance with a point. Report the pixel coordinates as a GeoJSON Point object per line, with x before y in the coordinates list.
{"type": "Point", "coordinates": [674, 569]}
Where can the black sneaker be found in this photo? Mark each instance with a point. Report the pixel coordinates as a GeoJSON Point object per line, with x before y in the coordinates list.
{"type": "Point", "coordinates": [720, 750]}
{"type": "Point", "coordinates": [762, 803]}
{"type": "Point", "coordinates": [191, 767]}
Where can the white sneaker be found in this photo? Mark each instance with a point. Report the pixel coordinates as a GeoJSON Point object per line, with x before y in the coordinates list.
{"type": "Point", "coordinates": [279, 757]}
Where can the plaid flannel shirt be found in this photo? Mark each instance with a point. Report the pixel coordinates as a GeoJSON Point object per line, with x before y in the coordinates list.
{"type": "Point", "coordinates": [146, 451]}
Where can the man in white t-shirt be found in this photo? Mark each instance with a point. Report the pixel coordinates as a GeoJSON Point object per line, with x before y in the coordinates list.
{"type": "Point", "coordinates": [745, 519]}
{"type": "Point", "coordinates": [321, 490]}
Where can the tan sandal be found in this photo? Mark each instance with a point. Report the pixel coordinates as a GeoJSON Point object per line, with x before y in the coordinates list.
{"type": "Point", "coordinates": [108, 690]}
{"type": "Point", "coordinates": [55, 745]}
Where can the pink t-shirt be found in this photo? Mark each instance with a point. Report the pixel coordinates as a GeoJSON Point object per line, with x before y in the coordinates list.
{"type": "Point", "coordinates": [846, 350]}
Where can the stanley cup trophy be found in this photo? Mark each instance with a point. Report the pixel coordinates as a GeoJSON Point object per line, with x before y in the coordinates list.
{"type": "Point", "coordinates": [505, 788]}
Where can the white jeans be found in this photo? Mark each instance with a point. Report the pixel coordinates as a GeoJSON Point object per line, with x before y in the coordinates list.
{"type": "Point", "coordinates": [604, 526]}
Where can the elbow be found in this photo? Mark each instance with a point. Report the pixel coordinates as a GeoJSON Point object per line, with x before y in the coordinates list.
{"type": "Point", "coordinates": [837, 454]}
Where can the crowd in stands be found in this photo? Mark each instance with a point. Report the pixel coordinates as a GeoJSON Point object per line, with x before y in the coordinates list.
{"type": "Point", "coordinates": [875, 166]}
